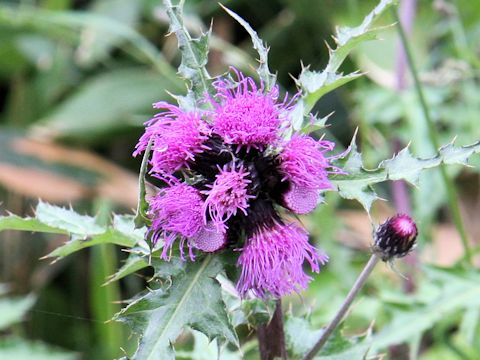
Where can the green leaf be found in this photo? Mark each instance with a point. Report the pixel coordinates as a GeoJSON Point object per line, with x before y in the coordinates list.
{"type": "Point", "coordinates": [315, 84]}
{"type": "Point", "coordinates": [84, 231]}
{"type": "Point", "coordinates": [194, 52]}
{"type": "Point", "coordinates": [300, 338]}
{"type": "Point", "coordinates": [12, 310]}
{"type": "Point", "coordinates": [263, 71]}
{"type": "Point", "coordinates": [97, 45]}
{"type": "Point", "coordinates": [122, 233]}
{"type": "Point", "coordinates": [357, 181]}
{"type": "Point", "coordinates": [67, 220]}
{"type": "Point", "coordinates": [347, 38]}
{"type": "Point", "coordinates": [459, 290]}
{"type": "Point", "coordinates": [128, 92]}
{"type": "Point", "coordinates": [14, 222]}
{"type": "Point", "coordinates": [66, 25]}
{"type": "Point", "coordinates": [131, 265]}
{"type": "Point", "coordinates": [141, 217]}
{"type": "Point", "coordinates": [18, 349]}
{"type": "Point", "coordinates": [299, 335]}
{"type": "Point", "coordinates": [193, 299]}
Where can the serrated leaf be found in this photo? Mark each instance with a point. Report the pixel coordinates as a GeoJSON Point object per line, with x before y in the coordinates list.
{"type": "Point", "coordinates": [194, 299]}
{"type": "Point", "coordinates": [263, 71]}
{"type": "Point", "coordinates": [194, 52]}
{"type": "Point", "coordinates": [83, 230]}
{"type": "Point", "coordinates": [316, 84]}
{"type": "Point", "coordinates": [131, 265]}
{"type": "Point", "coordinates": [14, 222]}
{"type": "Point", "coordinates": [357, 181]}
{"type": "Point", "coordinates": [19, 349]}
{"type": "Point", "coordinates": [68, 220]}
{"type": "Point", "coordinates": [347, 38]}
{"type": "Point", "coordinates": [12, 310]}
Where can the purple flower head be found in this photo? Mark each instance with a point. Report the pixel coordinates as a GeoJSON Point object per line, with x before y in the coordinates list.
{"type": "Point", "coordinates": [177, 212]}
{"type": "Point", "coordinates": [246, 114]}
{"type": "Point", "coordinates": [228, 194]}
{"type": "Point", "coordinates": [210, 238]}
{"type": "Point", "coordinates": [395, 238]}
{"type": "Point", "coordinates": [227, 172]}
{"type": "Point", "coordinates": [300, 199]}
{"type": "Point", "coordinates": [272, 261]}
{"type": "Point", "coordinates": [177, 137]}
{"type": "Point", "coordinates": [303, 162]}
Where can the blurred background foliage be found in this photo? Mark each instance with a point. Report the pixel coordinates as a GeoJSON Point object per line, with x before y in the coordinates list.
{"type": "Point", "coordinates": [77, 80]}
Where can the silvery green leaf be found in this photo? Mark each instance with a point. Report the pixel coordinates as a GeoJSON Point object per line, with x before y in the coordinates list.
{"type": "Point", "coordinates": [357, 182]}
{"type": "Point", "coordinates": [315, 84]}
{"type": "Point", "coordinates": [190, 298]}
{"type": "Point", "coordinates": [83, 230]}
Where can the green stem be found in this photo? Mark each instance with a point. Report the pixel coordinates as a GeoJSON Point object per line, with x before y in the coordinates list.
{"type": "Point", "coordinates": [357, 286]}
{"type": "Point", "coordinates": [451, 191]}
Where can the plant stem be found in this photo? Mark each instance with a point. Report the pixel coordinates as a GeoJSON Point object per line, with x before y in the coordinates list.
{"type": "Point", "coordinates": [271, 337]}
{"type": "Point", "coordinates": [357, 286]}
{"type": "Point", "coordinates": [451, 191]}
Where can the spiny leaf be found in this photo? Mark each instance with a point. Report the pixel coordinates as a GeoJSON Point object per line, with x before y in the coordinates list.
{"type": "Point", "coordinates": [131, 265]}
{"type": "Point", "coordinates": [347, 38]}
{"type": "Point", "coordinates": [357, 182]}
{"type": "Point", "coordinates": [68, 220]}
{"type": "Point", "coordinates": [263, 71]}
{"type": "Point", "coordinates": [194, 52]}
{"type": "Point", "coordinates": [315, 84]}
{"type": "Point", "coordinates": [193, 299]}
{"type": "Point", "coordinates": [83, 230]}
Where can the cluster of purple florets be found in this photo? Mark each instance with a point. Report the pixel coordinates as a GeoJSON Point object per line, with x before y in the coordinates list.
{"type": "Point", "coordinates": [229, 172]}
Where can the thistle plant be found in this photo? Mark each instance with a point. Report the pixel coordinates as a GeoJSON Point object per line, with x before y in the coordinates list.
{"type": "Point", "coordinates": [230, 166]}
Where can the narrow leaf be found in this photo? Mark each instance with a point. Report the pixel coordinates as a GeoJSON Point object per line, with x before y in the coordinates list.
{"type": "Point", "coordinates": [263, 71]}
{"type": "Point", "coordinates": [194, 52]}
{"type": "Point", "coordinates": [141, 218]}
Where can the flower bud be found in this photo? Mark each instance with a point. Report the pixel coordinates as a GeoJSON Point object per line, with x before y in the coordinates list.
{"type": "Point", "coordinates": [395, 238]}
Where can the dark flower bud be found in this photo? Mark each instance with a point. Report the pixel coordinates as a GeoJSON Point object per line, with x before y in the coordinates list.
{"type": "Point", "coordinates": [395, 237]}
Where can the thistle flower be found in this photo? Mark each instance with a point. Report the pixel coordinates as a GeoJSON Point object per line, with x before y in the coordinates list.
{"type": "Point", "coordinates": [300, 199]}
{"type": "Point", "coordinates": [228, 194]}
{"type": "Point", "coordinates": [176, 212]}
{"type": "Point", "coordinates": [246, 114]}
{"type": "Point", "coordinates": [304, 163]}
{"type": "Point", "coordinates": [177, 137]}
{"type": "Point", "coordinates": [395, 238]}
{"type": "Point", "coordinates": [272, 261]}
{"type": "Point", "coordinates": [226, 181]}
